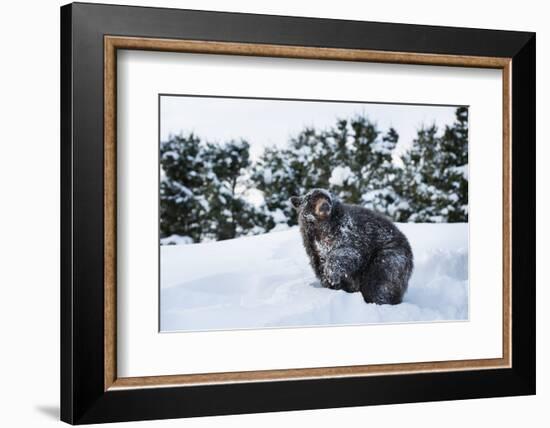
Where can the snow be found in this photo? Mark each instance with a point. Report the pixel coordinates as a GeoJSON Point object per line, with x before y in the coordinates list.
{"type": "Point", "coordinates": [350, 142]}
{"type": "Point", "coordinates": [203, 202]}
{"type": "Point", "coordinates": [279, 216]}
{"type": "Point", "coordinates": [303, 153]}
{"type": "Point", "coordinates": [371, 195]}
{"type": "Point", "coordinates": [403, 205]}
{"type": "Point", "coordinates": [176, 240]}
{"type": "Point", "coordinates": [171, 154]}
{"type": "Point", "coordinates": [382, 147]}
{"type": "Point", "coordinates": [462, 170]}
{"type": "Point", "coordinates": [266, 281]}
{"type": "Point", "coordinates": [268, 177]}
{"type": "Point", "coordinates": [340, 175]}
{"type": "Point", "coordinates": [183, 189]}
{"type": "Point", "coordinates": [279, 227]}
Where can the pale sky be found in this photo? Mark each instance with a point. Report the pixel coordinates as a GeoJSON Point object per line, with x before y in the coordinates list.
{"type": "Point", "coordinates": [272, 122]}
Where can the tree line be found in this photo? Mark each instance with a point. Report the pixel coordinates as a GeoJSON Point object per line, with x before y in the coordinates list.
{"type": "Point", "coordinates": [204, 185]}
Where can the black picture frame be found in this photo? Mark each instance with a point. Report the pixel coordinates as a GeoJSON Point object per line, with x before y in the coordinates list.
{"type": "Point", "coordinates": [83, 396]}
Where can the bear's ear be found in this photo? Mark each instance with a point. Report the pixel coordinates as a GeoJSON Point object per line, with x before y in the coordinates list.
{"type": "Point", "coordinates": [295, 201]}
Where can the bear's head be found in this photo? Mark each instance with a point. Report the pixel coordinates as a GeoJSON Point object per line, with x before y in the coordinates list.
{"type": "Point", "coordinates": [316, 205]}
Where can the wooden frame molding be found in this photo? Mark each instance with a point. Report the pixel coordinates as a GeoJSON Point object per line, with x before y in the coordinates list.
{"type": "Point", "coordinates": [113, 43]}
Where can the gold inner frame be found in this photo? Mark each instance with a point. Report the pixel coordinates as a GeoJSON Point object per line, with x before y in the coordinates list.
{"type": "Point", "coordinates": [113, 43]}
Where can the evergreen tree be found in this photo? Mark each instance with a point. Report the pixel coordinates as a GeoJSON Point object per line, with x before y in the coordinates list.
{"type": "Point", "coordinates": [433, 185]}
{"type": "Point", "coordinates": [419, 171]}
{"type": "Point", "coordinates": [282, 173]}
{"type": "Point", "coordinates": [204, 186]}
{"type": "Point", "coordinates": [183, 170]}
{"type": "Point", "coordinates": [278, 177]}
{"type": "Point", "coordinates": [348, 144]}
{"type": "Point", "coordinates": [374, 167]}
{"type": "Point", "coordinates": [455, 144]}
{"type": "Point", "coordinates": [351, 159]}
{"type": "Point", "coordinates": [201, 190]}
{"type": "Point", "coordinates": [230, 215]}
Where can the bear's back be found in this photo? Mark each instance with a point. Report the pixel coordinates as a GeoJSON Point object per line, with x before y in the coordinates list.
{"type": "Point", "coordinates": [378, 229]}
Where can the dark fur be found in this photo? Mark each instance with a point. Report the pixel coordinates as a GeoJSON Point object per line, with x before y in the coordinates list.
{"type": "Point", "coordinates": [353, 248]}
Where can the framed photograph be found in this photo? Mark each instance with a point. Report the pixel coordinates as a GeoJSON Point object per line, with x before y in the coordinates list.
{"type": "Point", "coordinates": [265, 213]}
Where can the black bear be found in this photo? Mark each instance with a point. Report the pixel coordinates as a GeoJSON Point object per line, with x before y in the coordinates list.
{"type": "Point", "coordinates": [353, 248]}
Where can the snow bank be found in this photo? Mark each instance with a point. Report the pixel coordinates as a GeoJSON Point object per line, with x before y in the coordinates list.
{"type": "Point", "coordinates": [266, 281]}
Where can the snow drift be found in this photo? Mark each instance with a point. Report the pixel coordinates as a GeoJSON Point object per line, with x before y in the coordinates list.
{"type": "Point", "coordinates": [266, 281]}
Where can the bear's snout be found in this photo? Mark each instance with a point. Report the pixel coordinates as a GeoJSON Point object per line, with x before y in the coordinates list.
{"type": "Point", "coordinates": [322, 209]}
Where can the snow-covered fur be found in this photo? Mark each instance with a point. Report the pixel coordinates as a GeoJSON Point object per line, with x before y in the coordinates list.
{"type": "Point", "coordinates": [353, 248]}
